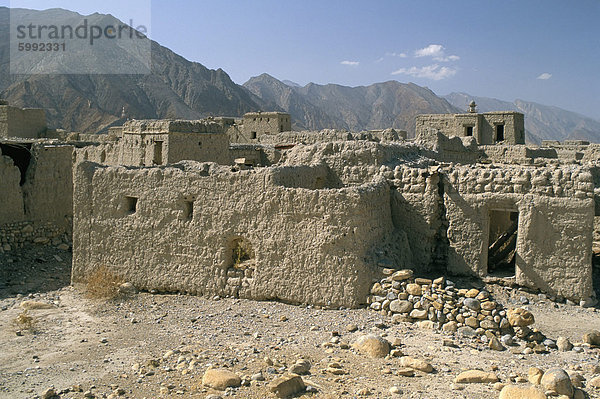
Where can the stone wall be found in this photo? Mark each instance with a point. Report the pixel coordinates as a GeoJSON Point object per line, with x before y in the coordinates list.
{"type": "Point", "coordinates": [179, 228]}
{"type": "Point", "coordinates": [22, 123]}
{"type": "Point", "coordinates": [44, 199]}
{"type": "Point", "coordinates": [556, 212]}
{"type": "Point", "coordinates": [15, 235]}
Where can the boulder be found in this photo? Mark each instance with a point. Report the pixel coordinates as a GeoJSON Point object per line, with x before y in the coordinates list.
{"type": "Point", "coordinates": [220, 379]}
{"type": "Point", "coordinates": [475, 376]}
{"type": "Point", "coordinates": [401, 275]}
{"type": "Point", "coordinates": [534, 375]}
{"type": "Point", "coordinates": [287, 385]}
{"type": "Point", "coordinates": [563, 344]}
{"type": "Point", "coordinates": [416, 364]}
{"type": "Point", "coordinates": [516, 392]}
{"type": "Point", "coordinates": [414, 289]}
{"type": "Point", "coordinates": [557, 380]}
{"type": "Point", "coordinates": [372, 345]}
{"type": "Point", "coordinates": [520, 317]}
{"type": "Point", "coordinates": [401, 306]}
{"type": "Point", "coordinates": [592, 338]}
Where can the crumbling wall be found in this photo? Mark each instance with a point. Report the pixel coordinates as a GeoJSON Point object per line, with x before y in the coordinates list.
{"type": "Point", "coordinates": [22, 123]}
{"type": "Point", "coordinates": [556, 210]}
{"type": "Point", "coordinates": [203, 229]}
{"type": "Point", "coordinates": [257, 154]}
{"type": "Point", "coordinates": [48, 186]}
{"type": "Point", "coordinates": [205, 147]}
{"type": "Point", "coordinates": [327, 135]}
{"type": "Point", "coordinates": [36, 202]}
{"type": "Point", "coordinates": [11, 194]}
{"type": "Point", "coordinates": [414, 200]}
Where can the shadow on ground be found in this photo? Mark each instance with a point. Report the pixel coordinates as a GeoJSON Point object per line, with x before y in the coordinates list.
{"type": "Point", "coordinates": [34, 269]}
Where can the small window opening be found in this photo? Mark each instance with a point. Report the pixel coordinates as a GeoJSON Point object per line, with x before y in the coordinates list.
{"type": "Point", "coordinates": [130, 205]}
{"type": "Point", "coordinates": [502, 243]}
{"type": "Point", "coordinates": [103, 156]}
{"type": "Point", "coordinates": [241, 252]}
{"type": "Point", "coordinates": [253, 135]}
{"type": "Point", "coordinates": [469, 131]}
{"type": "Point", "coordinates": [158, 153]}
{"type": "Point", "coordinates": [188, 211]}
{"type": "Point", "coordinates": [200, 144]}
{"type": "Point", "coordinates": [499, 133]}
{"type": "Point", "coordinates": [281, 128]}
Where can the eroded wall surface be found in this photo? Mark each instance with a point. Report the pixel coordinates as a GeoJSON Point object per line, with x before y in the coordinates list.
{"type": "Point", "coordinates": [556, 213]}
{"type": "Point", "coordinates": [11, 195]}
{"type": "Point", "coordinates": [309, 243]}
{"type": "Point", "coordinates": [37, 207]}
{"type": "Point", "coordinates": [23, 123]}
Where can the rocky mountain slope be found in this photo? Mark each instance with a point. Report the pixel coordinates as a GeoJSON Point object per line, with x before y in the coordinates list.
{"type": "Point", "coordinates": [380, 105]}
{"type": "Point", "coordinates": [542, 122]}
{"type": "Point", "coordinates": [175, 88]}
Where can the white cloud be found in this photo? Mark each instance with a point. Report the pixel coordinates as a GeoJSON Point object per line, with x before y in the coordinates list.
{"type": "Point", "coordinates": [545, 76]}
{"type": "Point", "coordinates": [436, 51]}
{"type": "Point", "coordinates": [433, 50]}
{"type": "Point", "coordinates": [434, 72]}
{"type": "Point", "coordinates": [350, 63]}
{"type": "Point", "coordinates": [379, 59]}
{"type": "Point", "coordinates": [401, 55]}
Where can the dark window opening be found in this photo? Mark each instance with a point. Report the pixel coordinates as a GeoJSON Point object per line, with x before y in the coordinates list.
{"type": "Point", "coordinates": [502, 242]}
{"type": "Point", "coordinates": [130, 205]}
{"type": "Point", "coordinates": [188, 211]}
{"type": "Point", "coordinates": [158, 153]}
{"type": "Point", "coordinates": [241, 252]}
{"type": "Point", "coordinates": [103, 156]}
{"type": "Point", "coordinates": [499, 133]}
{"type": "Point", "coordinates": [469, 131]}
{"type": "Point", "coordinates": [21, 156]}
{"type": "Point", "coordinates": [200, 144]}
{"type": "Point", "coordinates": [281, 128]}
{"type": "Point", "coordinates": [253, 135]}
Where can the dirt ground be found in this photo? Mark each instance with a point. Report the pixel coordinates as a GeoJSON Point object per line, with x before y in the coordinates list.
{"type": "Point", "coordinates": [159, 346]}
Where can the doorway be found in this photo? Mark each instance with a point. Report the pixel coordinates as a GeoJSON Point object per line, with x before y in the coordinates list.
{"type": "Point", "coordinates": [502, 250]}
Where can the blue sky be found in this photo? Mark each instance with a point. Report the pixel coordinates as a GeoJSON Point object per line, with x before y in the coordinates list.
{"type": "Point", "coordinates": [547, 51]}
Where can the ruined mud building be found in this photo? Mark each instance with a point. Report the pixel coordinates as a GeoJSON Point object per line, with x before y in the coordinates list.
{"type": "Point", "coordinates": [163, 204]}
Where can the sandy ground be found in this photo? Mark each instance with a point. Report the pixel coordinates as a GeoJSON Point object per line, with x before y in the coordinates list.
{"type": "Point", "coordinates": [91, 347]}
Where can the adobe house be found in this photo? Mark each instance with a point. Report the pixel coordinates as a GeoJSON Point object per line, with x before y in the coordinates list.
{"type": "Point", "coordinates": [161, 142]}
{"type": "Point", "coordinates": [22, 122]}
{"type": "Point", "coordinates": [506, 127]}
{"type": "Point", "coordinates": [256, 124]}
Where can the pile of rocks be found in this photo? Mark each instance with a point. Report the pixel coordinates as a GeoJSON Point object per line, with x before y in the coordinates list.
{"type": "Point", "coordinates": [439, 304]}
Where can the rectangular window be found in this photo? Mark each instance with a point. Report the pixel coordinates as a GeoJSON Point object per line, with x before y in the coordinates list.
{"type": "Point", "coordinates": [253, 135]}
{"type": "Point", "coordinates": [499, 133]}
{"type": "Point", "coordinates": [188, 212]}
{"type": "Point", "coordinates": [158, 153]}
{"type": "Point", "coordinates": [130, 205]}
{"type": "Point", "coordinates": [468, 131]}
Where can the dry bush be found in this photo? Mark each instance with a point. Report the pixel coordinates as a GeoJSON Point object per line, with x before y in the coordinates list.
{"type": "Point", "coordinates": [24, 322]}
{"type": "Point", "coordinates": [103, 284]}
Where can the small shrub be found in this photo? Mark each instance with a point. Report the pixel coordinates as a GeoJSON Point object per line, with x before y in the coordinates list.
{"type": "Point", "coordinates": [24, 322]}
{"type": "Point", "coordinates": [103, 284]}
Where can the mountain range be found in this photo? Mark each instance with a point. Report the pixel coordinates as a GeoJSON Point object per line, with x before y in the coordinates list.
{"type": "Point", "coordinates": [178, 88]}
